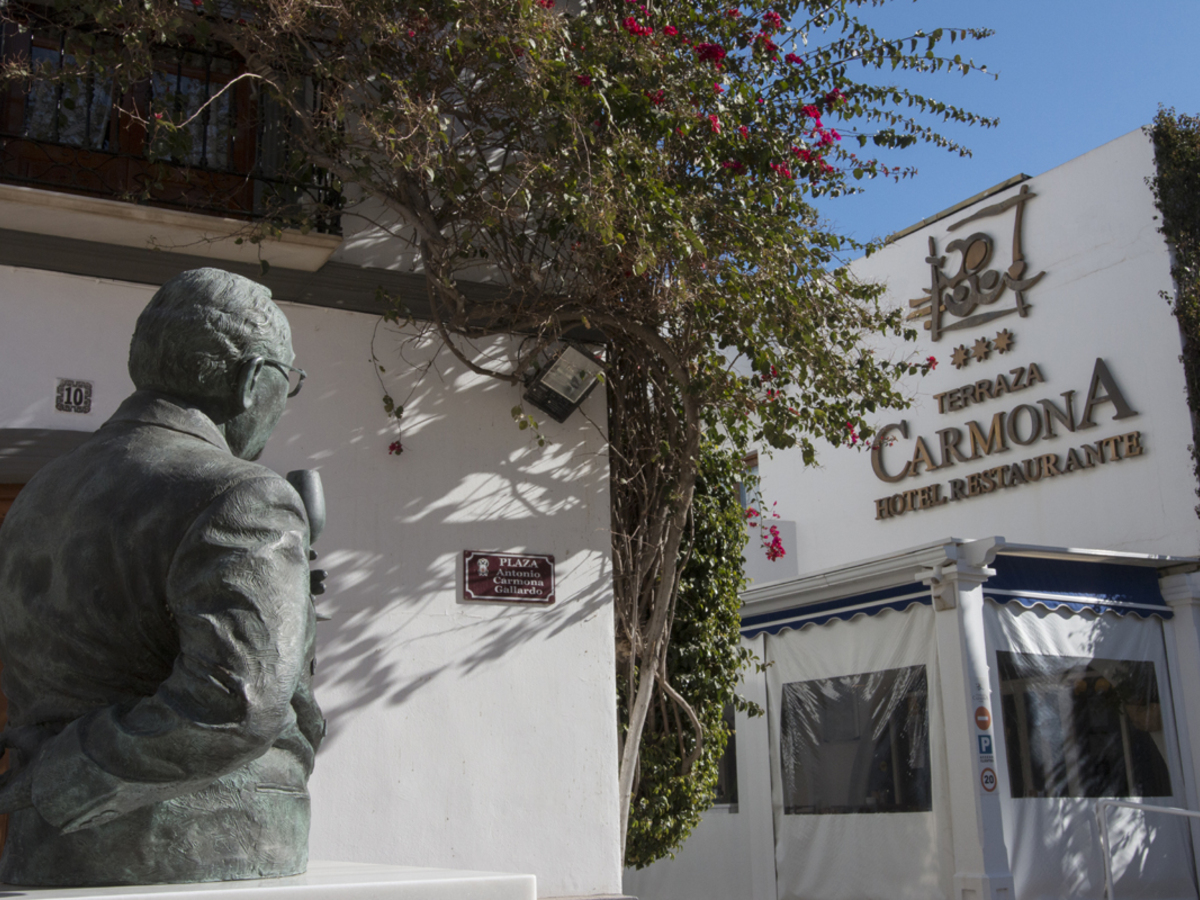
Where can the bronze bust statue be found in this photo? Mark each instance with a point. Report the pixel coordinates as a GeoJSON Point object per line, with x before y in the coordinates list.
{"type": "Point", "coordinates": [156, 620]}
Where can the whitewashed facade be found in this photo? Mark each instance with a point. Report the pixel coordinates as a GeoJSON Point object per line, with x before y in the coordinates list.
{"type": "Point", "coordinates": [1021, 546]}
{"type": "Point", "coordinates": [461, 735]}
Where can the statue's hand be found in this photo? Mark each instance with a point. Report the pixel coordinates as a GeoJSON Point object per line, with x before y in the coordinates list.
{"type": "Point", "coordinates": [16, 790]}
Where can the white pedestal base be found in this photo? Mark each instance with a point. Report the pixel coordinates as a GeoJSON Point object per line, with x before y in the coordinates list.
{"type": "Point", "coordinates": [322, 881]}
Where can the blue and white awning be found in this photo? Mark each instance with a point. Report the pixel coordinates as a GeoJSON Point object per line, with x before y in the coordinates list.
{"type": "Point", "coordinates": [1026, 581]}
{"type": "Point", "coordinates": [898, 598]}
{"type": "Point", "coordinates": [1078, 586]}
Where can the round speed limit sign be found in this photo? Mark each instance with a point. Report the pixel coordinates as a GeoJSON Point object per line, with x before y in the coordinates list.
{"type": "Point", "coordinates": [988, 779]}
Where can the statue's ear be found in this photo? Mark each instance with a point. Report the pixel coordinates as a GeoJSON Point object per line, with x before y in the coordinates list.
{"type": "Point", "coordinates": [246, 380]}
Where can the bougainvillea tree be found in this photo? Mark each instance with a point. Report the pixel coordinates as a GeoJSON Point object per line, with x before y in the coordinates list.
{"type": "Point", "coordinates": [636, 172]}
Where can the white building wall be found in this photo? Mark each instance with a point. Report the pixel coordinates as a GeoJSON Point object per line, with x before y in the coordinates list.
{"type": "Point", "coordinates": [460, 735]}
{"type": "Point", "coordinates": [1092, 228]}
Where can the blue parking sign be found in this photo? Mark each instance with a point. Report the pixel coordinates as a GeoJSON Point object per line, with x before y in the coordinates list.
{"type": "Point", "coordinates": [985, 744]}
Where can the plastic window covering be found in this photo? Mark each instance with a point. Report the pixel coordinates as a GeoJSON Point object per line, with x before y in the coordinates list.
{"type": "Point", "coordinates": [1080, 727]}
{"type": "Point", "coordinates": [853, 855]}
{"type": "Point", "coordinates": [857, 744]}
{"type": "Point", "coordinates": [1052, 840]}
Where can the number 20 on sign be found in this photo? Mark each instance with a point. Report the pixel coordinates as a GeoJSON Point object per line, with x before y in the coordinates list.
{"type": "Point", "coordinates": [987, 778]}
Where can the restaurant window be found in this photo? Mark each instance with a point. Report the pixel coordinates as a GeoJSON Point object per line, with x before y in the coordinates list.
{"type": "Point", "coordinates": [1080, 727]}
{"type": "Point", "coordinates": [857, 744]}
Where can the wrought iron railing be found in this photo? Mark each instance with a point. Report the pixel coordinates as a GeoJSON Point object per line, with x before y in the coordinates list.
{"type": "Point", "coordinates": [237, 158]}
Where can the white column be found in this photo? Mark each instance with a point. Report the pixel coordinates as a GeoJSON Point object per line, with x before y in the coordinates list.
{"type": "Point", "coordinates": [1182, 634]}
{"type": "Point", "coordinates": [981, 868]}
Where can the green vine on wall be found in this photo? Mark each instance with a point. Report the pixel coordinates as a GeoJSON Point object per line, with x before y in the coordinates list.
{"type": "Point", "coordinates": [1176, 188]}
{"type": "Point", "coordinates": [705, 660]}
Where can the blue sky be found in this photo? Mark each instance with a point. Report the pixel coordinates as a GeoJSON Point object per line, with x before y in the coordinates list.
{"type": "Point", "coordinates": [1074, 74]}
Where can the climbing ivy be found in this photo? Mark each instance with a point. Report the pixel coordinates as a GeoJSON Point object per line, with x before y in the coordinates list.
{"type": "Point", "coordinates": [705, 660]}
{"type": "Point", "coordinates": [1176, 187]}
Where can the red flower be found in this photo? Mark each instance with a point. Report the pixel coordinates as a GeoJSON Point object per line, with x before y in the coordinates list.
{"type": "Point", "coordinates": [812, 112]}
{"type": "Point", "coordinates": [718, 89]}
{"type": "Point", "coordinates": [584, 80]}
{"type": "Point", "coordinates": [751, 513]}
{"type": "Point", "coordinates": [772, 20]}
{"type": "Point", "coordinates": [782, 170]}
{"type": "Point", "coordinates": [932, 362]}
{"type": "Point", "coordinates": [395, 448]}
{"type": "Point", "coordinates": [670, 30]}
{"type": "Point", "coordinates": [734, 13]}
{"type": "Point", "coordinates": [764, 39]}
{"type": "Point", "coordinates": [794, 59]}
{"type": "Point", "coordinates": [714, 123]}
{"type": "Point", "coordinates": [546, 4]}
{"type": "Point", "coordinates": [630, 24]}
{"type": "Point", "coordinates": [657, 97]}
{"type": "Point", "coordinates": [774, 546]}
{"type": "Point", "coordinates": [834, 97]}
{"type": "Point", "coordinates": [733, 164]}
{"type": "Point", "coordinates": [744, 131]}
{"type": "Point", "coordinates": [712, 53]}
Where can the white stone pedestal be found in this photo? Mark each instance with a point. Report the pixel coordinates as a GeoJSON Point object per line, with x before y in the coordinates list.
{"type": "Point", "coordinates": [322, 881]}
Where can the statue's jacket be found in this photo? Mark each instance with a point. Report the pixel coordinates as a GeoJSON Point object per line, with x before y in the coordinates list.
{"type": "Point", "coordinates": [156, 630]}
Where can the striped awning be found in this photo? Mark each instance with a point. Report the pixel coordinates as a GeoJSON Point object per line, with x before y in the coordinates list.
{"type": "Point", "coordinates": [1026, 581]}
{"type": "Point", "coordinates": [1077, 586]}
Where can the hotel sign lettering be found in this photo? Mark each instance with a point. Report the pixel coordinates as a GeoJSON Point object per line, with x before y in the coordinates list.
{"type": "Point", "coordinates": [1018, 426]}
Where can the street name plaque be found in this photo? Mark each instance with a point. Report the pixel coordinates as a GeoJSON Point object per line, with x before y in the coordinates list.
{"type": "Point", "coordinates": [508, 577]}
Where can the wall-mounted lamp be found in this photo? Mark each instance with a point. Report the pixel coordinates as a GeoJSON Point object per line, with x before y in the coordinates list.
{"type": "Point", "coordinates": [560, 387]}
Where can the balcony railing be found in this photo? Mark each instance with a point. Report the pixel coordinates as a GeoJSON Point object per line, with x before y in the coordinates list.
{"type": "Point", "coordinates": [78, 136]}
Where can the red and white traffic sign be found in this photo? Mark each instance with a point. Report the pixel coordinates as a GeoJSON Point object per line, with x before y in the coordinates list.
{"type": "Point", "coordinates": [983, 718]}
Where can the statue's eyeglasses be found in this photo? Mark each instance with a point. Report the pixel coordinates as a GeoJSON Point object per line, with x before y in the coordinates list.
{"type": "Point", "coordinates": [295, 377]}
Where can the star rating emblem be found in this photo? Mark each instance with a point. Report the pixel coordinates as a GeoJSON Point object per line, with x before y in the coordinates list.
{"type": "Point", "coordinates": [1004, 341]}
{"type": "Point", "coordinates": [981, 349]}
{"type": "Point", "coordinates": [960, 357]}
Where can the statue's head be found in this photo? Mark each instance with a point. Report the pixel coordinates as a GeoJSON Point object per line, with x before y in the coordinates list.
{"type": "Point", "coordinates": [215, 339]}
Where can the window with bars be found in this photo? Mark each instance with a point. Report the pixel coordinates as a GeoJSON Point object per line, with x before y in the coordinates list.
{"type": "Point", "coordinates": [234, 156]}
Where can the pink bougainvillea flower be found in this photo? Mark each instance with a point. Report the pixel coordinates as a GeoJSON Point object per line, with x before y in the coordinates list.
{"type": "Point", "coordinates": [734, 166]}
{"type": "Point", "coordinates": [546, 4]}
{"type": "Point", "coordinates": [794, 59]}
{"type": "Point", "coordinates": [784, 172]}
{"type": "Point", "coordinates": [631, 24]}
{"type": "Point", "coordinates": [764, 41]}
{"type": "Point", "coordinates": [670, 30]}
{"type": "Point", "coordinates": [772, 20]}
{"type": "Point", "coordinates": [718, 89]}
{"type": "Point", "coordinates": [932, 361]}
{"type": "Point", "coordinates": [395, 448]}
{"type": "Point", "coordinates": [656, 97]}
{"type": "Point", "coordinates": [744, 131]}
{"type": "Point", "coordinates": [834, 97]}
{"type": "Point", "coordinates": [774, 545]}
{"type": "Point", "coordinates": [812, 112]}
{"type": "Point", "coordinates": [714, 122]}
{"type": "Point", "coordinates": [751, 513]}
{"type": "Point", "coordinates": [712, 53]}
{"type": "Point", "coordinates": [585, 80]}
{"type": "Point", "coordinates": [734, 13]}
